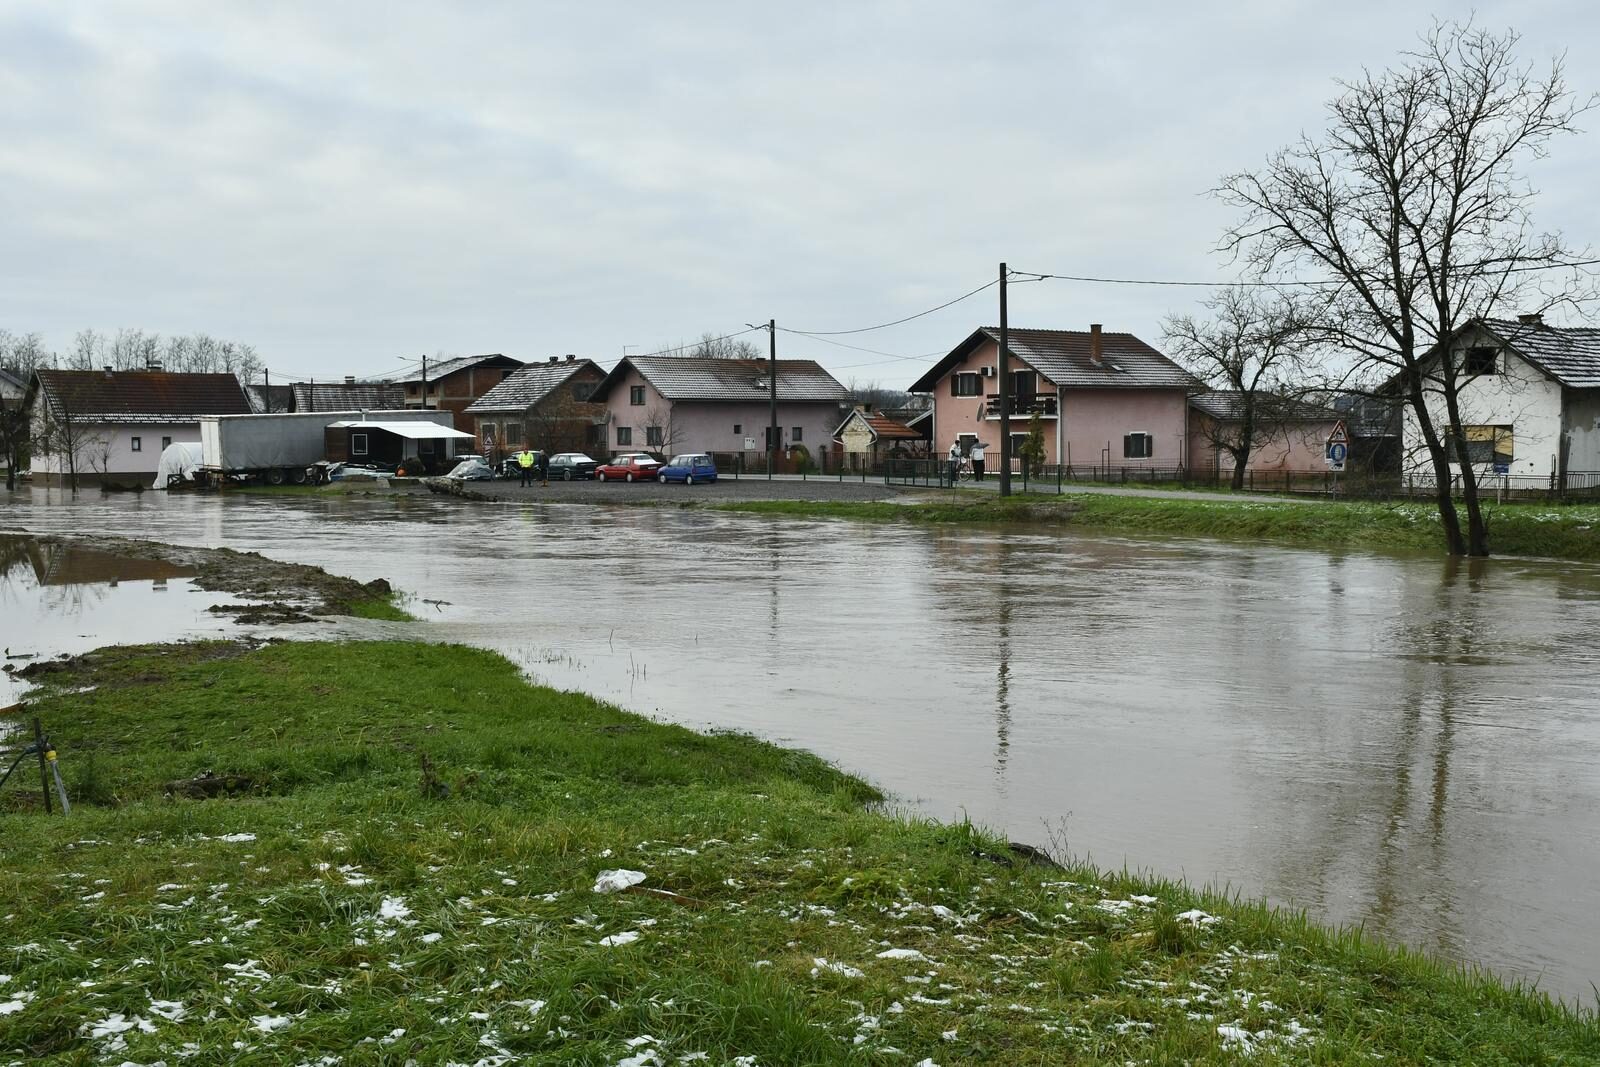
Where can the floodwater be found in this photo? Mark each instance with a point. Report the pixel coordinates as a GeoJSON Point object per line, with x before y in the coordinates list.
{"type": "Point", "coordinates": [1402, 742]}
{"type": "Point", "coordinates": [70, 598]}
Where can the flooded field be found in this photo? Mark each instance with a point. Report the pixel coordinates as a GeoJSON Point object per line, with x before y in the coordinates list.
{"type": "Point", "coordinates": [57, 599]}
{"type": "Point", "coordinates": [1407, 743]}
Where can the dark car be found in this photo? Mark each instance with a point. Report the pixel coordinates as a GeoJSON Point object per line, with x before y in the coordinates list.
{"type": "Point", "coordinates": [570, 465]}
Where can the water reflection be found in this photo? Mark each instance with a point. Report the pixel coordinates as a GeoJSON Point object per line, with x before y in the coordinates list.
{"type": "Point", "coordinates": [1396, 742]}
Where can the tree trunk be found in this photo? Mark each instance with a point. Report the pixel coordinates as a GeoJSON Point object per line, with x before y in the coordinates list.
{"type": "Point", "coordinates": [1240, 461]}
{"type": "Point", "coordinates": [1477, 531]}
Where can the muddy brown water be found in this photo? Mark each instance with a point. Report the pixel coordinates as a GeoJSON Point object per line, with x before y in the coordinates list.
{"type": "Point", "coordinates": [1400, 742]}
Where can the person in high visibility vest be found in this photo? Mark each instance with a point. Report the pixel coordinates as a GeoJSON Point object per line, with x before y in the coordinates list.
{"type": "Point", "coordinates": [525, 465]}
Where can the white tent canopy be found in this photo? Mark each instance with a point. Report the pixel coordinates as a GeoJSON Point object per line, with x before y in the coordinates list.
{"type": "Point", "coordinates": [414, 431]}
{"type": "Point", "coordinates": [179, 459]}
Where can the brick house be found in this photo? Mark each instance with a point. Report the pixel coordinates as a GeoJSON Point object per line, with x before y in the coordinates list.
{"type": "Point", "coordinates": [547, 406]}
{"type": "Point", "coordinates": [456, 384]}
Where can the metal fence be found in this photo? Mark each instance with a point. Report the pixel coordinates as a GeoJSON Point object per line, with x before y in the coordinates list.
{"type": "Point", "coordinates": [1574, 486]}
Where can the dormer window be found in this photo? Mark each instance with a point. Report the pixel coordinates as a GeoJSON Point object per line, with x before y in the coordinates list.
{"type": "Point", "coordinates": [1481, 360]}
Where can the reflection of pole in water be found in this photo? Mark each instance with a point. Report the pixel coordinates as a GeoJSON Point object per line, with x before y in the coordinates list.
{"type": "Point", "coordinates": [1002, 691]}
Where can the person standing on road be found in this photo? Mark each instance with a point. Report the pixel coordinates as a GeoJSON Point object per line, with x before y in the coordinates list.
{"type": "Point", "coordinates": [525, 466]}
{"type": "Point", "coordinates": [544, 469]}
{"type": "Point", "coordinates": [955, 460]}
{"type": "Point", "coordinates": [977, 461]}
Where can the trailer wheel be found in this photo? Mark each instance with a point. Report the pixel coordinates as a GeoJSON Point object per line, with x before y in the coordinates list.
{"type": "Point", "coordinates": [299, 476]}
{"type": "Point", "coordinates": [275, 476]}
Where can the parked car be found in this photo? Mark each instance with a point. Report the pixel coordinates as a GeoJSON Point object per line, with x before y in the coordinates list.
{"type": "Point", "coordinates": [629, 467]}
{"type": "Point", "coordinates": [473, 469]}
{"type": "Point", "coordinates": [570, 465]}
{"type": "Point", "coordinates": [690, 467]}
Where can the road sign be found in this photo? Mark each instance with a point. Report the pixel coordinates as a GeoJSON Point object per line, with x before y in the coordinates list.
{"type": "Point", "coordinates": [1338, 449]}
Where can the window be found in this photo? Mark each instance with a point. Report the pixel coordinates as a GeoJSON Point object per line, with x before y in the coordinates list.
{"type": "Point", "coordinates": [738, 427]}
{"type": "Point", "coordinates": [513, 433]}
{"type": "Point", "coordinates": [966, 384]}
{"type": "Point", "coordinates": [582, 391]}
{"type": "Point", "coordinates": [624, 435]}
{"type": "Point", "coordinates": [796, 433]}
{"type": "Point", "coordinates": [1024, 383]}
{"type": "Point", "coordinates": [768, 437]}
{"type": "Point", "coordinates": [636, 395]}
{"type": "Point", "coordinates": [358, 444]}
{"type": "Point", "coordinates": [166, 443]}
{"type": "Point", "coordinates": [1480, 361]}
{"type": "Point", "coordinates": [137, 445]}
{"type": "Point", "coordinates": [1137, 446]}
{"type": "Point", "coordinates": [1489, 444]}
{"type": "Point", "coordinates": [653, 435]}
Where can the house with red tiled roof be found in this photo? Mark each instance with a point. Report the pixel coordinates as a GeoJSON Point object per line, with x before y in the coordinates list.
{"type": "Point", "coordinates": [109, 427]}
{"type": "Point", "coordinates": [1104, 399]}
{"type": "Point", "coordinates": [866, 438]}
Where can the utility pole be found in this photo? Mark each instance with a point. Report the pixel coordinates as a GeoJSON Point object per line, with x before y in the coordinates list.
{"type": "Point", "coordinates": [266, 390]}
{"type": "Point", "coordinates": [1003, 372]}
{"type": "Point", "coordinates": [773, 437]}
{"type": "Point", "coordinates": [424, 381]}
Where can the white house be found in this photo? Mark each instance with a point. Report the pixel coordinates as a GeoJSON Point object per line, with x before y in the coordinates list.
{"type": "Point", "coordinates": [1530, 404]}
{"type": "Point", "coordinates": [110, 427]}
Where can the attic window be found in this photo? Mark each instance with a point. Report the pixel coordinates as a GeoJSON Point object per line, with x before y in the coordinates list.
{"type": "Point", "coordinates": [761, 383]}
{"type": "Point", "coordinates": [1480, 360]}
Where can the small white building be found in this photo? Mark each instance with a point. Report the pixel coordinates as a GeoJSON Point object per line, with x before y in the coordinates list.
{"type": "Point", "coordinates": [1530, 401]}
{"type": "Point", "coordinates": [110, 427]}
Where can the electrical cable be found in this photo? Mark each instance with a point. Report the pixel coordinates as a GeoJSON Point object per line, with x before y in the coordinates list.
{"type": "Point", "coordinates": [897, 322]}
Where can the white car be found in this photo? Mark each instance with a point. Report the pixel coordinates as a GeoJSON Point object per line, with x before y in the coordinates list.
{"type": "Point", "coordinates": [471, 470]}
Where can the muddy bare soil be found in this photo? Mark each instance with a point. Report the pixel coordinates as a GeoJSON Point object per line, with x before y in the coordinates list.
{"type": "Point", "coordinates": [285, 592]}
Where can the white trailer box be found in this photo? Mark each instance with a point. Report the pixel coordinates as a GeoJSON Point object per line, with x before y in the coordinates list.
{"type": "Point", "coordinates": [286, 443]}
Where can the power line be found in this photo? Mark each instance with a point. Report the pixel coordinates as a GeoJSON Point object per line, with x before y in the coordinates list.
{"type": "Point", "coordinates": [1314, 282]}
{"type": "Point", "coordinates": [896, 322]}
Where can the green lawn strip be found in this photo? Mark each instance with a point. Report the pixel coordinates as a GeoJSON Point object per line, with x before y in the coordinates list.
{"type": "Point", "coordinates": [1571, 532]}
{"type": "Point", "coordinates": [346, 903]}
{"type": "Point", "coordinates": [385, 608]}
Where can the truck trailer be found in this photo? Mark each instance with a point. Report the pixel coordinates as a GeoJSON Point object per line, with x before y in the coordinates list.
{"type": "Point", "coordinates": [280, 448]}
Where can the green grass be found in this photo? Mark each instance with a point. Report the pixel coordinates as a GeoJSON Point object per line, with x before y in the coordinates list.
{"type": "Point", "coordinates": [1514, 529]}
{"type": "Point", "coordinates": [343, 905]}
{"type": "Point", "coordinates": [385, 608]}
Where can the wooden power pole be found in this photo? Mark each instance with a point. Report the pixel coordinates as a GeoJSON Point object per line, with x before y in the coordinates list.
{"type": "Point", "coordinates": [1003, 373]}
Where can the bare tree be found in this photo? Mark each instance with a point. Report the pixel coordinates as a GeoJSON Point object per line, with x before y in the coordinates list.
{"type": "Point", "coordinates": [879, 397]}
{"type": "Point", "coordinates": [660, 434]}
{"type": "Point", "coordinates": [21, 356]}
{"type": "Point", "coordinates": [710, 346]}
{"type": "Point", "coordinates": [1252, 347]}
{"type": "Point", "coordinates": [1413, 204]}
{"type": "Point", "coordinates": [59, 433]}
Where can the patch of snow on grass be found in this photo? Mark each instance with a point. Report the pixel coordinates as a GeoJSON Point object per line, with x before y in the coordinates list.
{"type": "Point", "coordinates": [616, 881]}
{"type": "Point", "coordinates": [821, 963]}
{"type": "Point", "coordinates": [901, 954]}
{"type": "Point", "coordinates": [627, 937]}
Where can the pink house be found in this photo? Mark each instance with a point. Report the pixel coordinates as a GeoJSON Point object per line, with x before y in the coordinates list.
{"type": "Point", "coordinates": [1104, 399]}
{"type": "Point", "coordinates": [1290, 435]}
{"type": "Point", "coordinates": [670, 404]}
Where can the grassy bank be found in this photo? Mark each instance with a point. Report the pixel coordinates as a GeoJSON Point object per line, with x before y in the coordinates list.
{"type": "Point", "coordinates": [1515, 529]}
{"type": "Point", "coordinates": [400, 864]}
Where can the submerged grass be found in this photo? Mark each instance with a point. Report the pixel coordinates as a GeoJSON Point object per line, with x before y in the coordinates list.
{"type": "Point", "coordinates": [405, 870]}
{"type": "Point", "coordinates": [1514, 529]}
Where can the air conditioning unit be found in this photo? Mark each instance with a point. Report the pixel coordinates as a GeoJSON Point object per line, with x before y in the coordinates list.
{"type": "Point", "coordinates": [987, 372]}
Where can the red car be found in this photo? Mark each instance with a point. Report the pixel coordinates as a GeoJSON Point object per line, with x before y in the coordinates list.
{"type": "Point", "coordinates": [629, 467]}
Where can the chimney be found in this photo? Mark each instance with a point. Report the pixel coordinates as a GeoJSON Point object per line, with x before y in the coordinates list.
{"type": "Point", "coordinates": [349, 379]}
{"type": "Point", "coordinates": [152, 365]}
{"type": "Point", "coordinates": [571, 357]}
{"type": "Point", "coordinates": [555, 359]}
{"type": "Point", "coordinates": [1534, 319]}
{"type": "Point", "coordinates": [108, 370]}
{"type": "Point", "coordinates": [1094, 344]}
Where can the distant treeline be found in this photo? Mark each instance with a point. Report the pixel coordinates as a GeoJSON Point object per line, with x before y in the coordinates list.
{"type": "Point", "coordinates": [132, 350]}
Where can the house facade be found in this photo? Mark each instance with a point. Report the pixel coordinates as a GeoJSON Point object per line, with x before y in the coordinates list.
{"type": "Point", "coordinates": [1103, 399]}
{"type": "Point", "coordinates": [1288, 436]}
{"type": "Point", "coordinates": [672, 404]}
{"type": "Point", "coordinates": [1530, 401]}
{"type": "Point", "coordinates": [454, 385]}
{"type": "Point", "coordinates": [548, 406]}
{"type": "Point", "coordinates": [867, 438]}
{"type": "Point", "coordinates": [110, 427]}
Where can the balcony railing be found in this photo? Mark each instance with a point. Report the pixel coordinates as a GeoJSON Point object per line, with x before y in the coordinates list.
{"type": "Point", "coordinates": [1027, 404]}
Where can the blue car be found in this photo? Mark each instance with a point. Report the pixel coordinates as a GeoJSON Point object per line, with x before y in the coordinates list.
{"type": "Point", "coordinates": [690, 467]}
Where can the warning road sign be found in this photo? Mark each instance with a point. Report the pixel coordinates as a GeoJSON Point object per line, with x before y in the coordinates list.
{"type": "Point", "coordinates": [1338, 449]}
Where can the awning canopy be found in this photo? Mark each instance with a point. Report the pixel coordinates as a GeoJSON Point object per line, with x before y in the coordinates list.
{"type": "Point", "coordinates": [413, 431]}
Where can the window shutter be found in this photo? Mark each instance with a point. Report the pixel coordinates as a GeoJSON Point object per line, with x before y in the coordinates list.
{"type": "Point", "coordinates": [1149, 445]}
{"type": "Point", "coordinates": [954, 387]}
{"type": "Point", "coordinates": [1127, 445]}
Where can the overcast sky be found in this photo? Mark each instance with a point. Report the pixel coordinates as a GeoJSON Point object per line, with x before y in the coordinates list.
{"type": "Point", "coordinates": [346, 184]}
